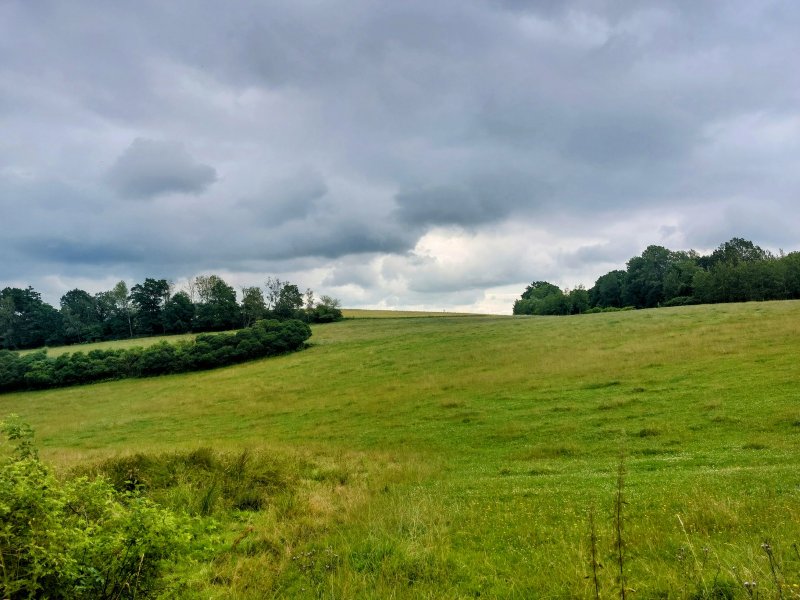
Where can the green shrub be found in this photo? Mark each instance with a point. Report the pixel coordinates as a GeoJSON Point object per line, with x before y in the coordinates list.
{"type": "Point", "coordinates": [681, 301]}
{"type": "Point", "coordinates": [78, 538]}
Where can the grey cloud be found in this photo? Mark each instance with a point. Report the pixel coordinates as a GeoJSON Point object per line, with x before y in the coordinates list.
{"type": "Point", "coordinates": [81, 252]}
{"type": "Point", "coordinates": [340, 239]}
{"type": "Point", "coordinates": [768, 225]}
{"type": "Point", "coordinates": [352, 129]}
{"type": "Point", "coordinates": [481, 199]}
{"type": "Point", "coordinates": [294, 197]}
{"type": "Point", "coordinates": [446, 205]}
{"type": "Point", "coordinates": [148, 168]}
{"type": "Point", "coordinates": [619, 139]}
{"type": "Point", "coordinates": [617, 252]}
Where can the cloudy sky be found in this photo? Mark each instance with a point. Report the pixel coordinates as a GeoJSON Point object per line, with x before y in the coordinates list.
{"type": "Point", "coordinates": [412, 154]}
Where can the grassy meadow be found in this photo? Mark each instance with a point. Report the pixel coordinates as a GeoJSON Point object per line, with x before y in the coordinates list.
{"type": "Point", "coordinates": [140, 342]}
{"type": "Point", "coordinates": [460, 457]}
{"type": "Point", "coordinates": [367, 313]}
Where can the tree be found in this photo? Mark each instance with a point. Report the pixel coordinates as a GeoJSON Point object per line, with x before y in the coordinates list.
{"type": "Point", "coordinates": [579, 300]}
{"type": "Point", "coordinates": [791, 263]}
{"type": "Point", "coordinates": [148, 298]}
{"type": "Point", "coordinates": [122, 300]}
{"type": "Point", "coordinates": [178, 313]}
{"type": "Point", "coordinates": [273, 286]}
{"type": "Point", "coordinates": [8, 314]}
{"type": "Point", "coordinates": [80, 317]}
{"type": "Point", "coordinates": [644, 281]}
{"type": "Point", "coordinates": [737, 250]}
{"type": "Point", "coordinates": [309, 300]}
{"type": "Point", "coordinates": [325, 311]}
{"type": "Point", "coordinates": [607, 290]}
{"type": "Point", "coordinates": [329, 301]}
{"type": "Point", "coordinates": [542, 298]}
{"type": "Point", "coordinates": [290, 302]}
{"type": "Point", "coordinates": [253, 305]}
{"type": "Point", "coordinates": [217, 308]}
{"type": "Point", "coordinates": [539, 290]}
{"type": "Point", "coordinates": [678, 281]}
{"type": "Point", "coordinates": [113, 324]}
{"type": "Point", "coordinates": [26, 321]}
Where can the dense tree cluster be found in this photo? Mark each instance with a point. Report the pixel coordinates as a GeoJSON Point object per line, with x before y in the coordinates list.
{"type": "Point", "coordinates": [152, 307]}
{"type": "Point", "coordinates": [36, 370]}
{"type": "Point", "coordinates": [543, 298]}
{"type": "Point", "coordinates": [737, 271]}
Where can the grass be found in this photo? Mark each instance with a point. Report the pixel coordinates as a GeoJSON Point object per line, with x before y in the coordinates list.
{"type": "Point", "coordinates": [364, 313]}
{"type": "Point", "coordinates": [349, 313]}
{"type": "Point", "coordinates": [459, 457]}
{"type": "Point", "coordinates": [141, 342]}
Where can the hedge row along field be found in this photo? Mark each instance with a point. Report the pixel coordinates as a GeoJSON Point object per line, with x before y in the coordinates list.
{"type": "Point", "coordinates": [37, 371]}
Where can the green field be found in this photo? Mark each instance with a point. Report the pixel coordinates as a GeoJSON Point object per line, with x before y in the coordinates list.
{"type": "Point", "coordinates": [366, 313]}
{"type": "Point", "coordinates": [460, 457]}
{"type": "Point", "coordinates": [140, 342]}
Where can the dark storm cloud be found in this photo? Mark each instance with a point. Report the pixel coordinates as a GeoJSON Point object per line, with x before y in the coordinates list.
{"type": "Point", "coordinates": [480, 199]}
{"type": "Point", "coordinates": [81, 252]}
{"type": "Point", "coordinates": [320, 131]}
{"type": "Point", "coordinates": [294, 197]}
{"type": "Point", "coordinates": [447, 205]}
{"type": "Point", "coordinates": [340, 240]}
{"type": "Point", "coordinates": [148, 168]}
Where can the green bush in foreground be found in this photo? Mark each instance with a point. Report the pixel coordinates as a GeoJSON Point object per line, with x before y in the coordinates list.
{"type": "Point", "coordinates": [78, 538]}
{"type": "Point", "coordinates": [206, 351]}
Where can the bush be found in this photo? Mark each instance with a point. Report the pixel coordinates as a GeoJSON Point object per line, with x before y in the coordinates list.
{"type": "Point", "coordinates": [78, 538]}
{"type": "Point", "coordinates": [681, 301]}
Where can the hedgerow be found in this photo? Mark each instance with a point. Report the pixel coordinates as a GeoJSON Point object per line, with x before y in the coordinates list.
{"type": "Point", "coordinates": [38, 371]}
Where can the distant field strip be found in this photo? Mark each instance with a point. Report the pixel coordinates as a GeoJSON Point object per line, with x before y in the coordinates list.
{"type": "Point", "coordinates": [365, 313]}
{"type": "Point", "coordinates": [138, 342]}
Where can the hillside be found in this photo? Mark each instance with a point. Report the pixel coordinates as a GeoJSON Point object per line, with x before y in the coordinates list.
{"type": "Point", "coordinates": [459, 456]}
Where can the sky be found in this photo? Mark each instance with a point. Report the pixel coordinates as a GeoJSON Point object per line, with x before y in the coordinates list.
{"type": "Point", "coordinates": [397, 154]}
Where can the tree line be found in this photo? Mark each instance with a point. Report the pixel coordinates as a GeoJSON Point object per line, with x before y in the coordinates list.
{"type": "Point", "coordinates": [737, 271]}
{"type": "Point", "coordinates": [152, 307]}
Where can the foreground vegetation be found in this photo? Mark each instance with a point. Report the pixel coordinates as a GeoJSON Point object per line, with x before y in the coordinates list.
{"type": "Point", "coordinates": [462, 457]}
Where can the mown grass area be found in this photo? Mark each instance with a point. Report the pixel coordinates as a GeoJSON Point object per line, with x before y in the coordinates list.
{"type": "Point", "coordinates": [137, 342]}
{"type": "Point", "coordinates": [459, 457]}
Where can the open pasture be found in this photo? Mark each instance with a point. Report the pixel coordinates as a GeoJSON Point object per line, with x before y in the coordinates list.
{"type": "Point", "coordinates": [460, 457]}
{"type": "Point", "coordinates": [366, 313]}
